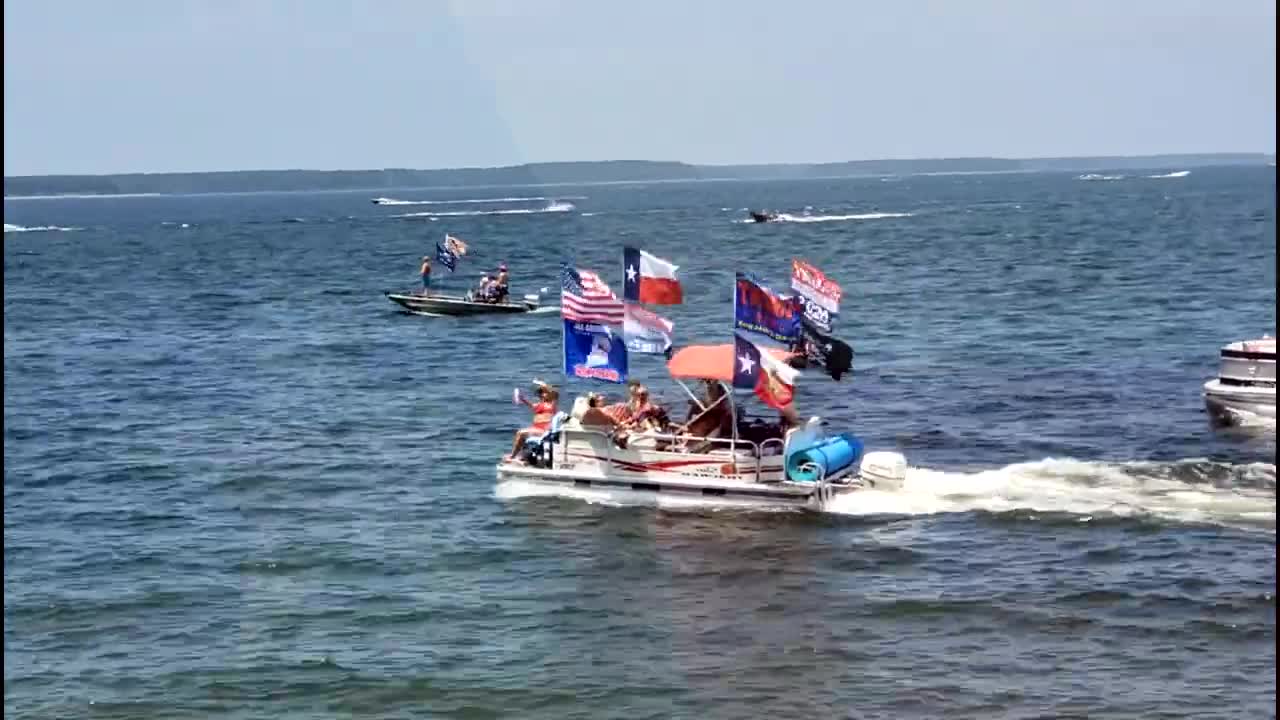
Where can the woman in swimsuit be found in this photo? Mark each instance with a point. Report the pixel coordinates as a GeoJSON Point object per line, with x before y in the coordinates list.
{"type": "Point", "coordinates": [543, 412]}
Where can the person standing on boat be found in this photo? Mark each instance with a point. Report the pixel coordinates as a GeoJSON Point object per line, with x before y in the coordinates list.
{"type": "Point", "coordinates": [543, 412]}
{"type": "Point", "coordinates": [426, 274]}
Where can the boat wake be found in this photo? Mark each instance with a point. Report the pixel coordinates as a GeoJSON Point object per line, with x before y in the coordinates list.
{"type": "Point", "coordinates": [39, 228]}
{"type": "Point", "coordinates": [1186, 491]}
{"type": "Point", "coordinates": [1190, 491]}
{"type": "Point", "coordinates": [555, 207]}
{"type": "Point", "coordinates": [472, 201]}
{"type": "Point", "coordinates": [1096, 176]}
{"type": "Point", "coordinates": [788, 217]}
{"type": "Point", "coordinates": [1178, 174]}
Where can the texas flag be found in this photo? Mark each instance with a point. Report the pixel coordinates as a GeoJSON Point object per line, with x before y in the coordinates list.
{"type": "Point", "coordinates": [755, 368]}
{"type": "Point", "coordinates": [649, 279]}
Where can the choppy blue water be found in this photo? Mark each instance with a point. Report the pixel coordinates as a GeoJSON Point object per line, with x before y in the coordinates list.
{"type": "Point", "coordinates": [238, 483]}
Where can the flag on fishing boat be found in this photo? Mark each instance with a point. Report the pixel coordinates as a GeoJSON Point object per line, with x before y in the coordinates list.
{"type": "Point", "coordinates": [455, 246]}
{"type": "Point", "coordinates": [593, 351]}
{"type": "Point", "coordinates": [645, 331]}
{"type": "Point", "coordinates": [585, 298]}
{"type": "Point", "coordinates": [758, 309]}
{"type": "Point", "coordinates": [819, 349]}
{"type": "Point", "coordinates": [445, 257]}
{"type": "Point", "coordinates": [649, 279]}
{"type": "Point", "coordinates": [755, 369]}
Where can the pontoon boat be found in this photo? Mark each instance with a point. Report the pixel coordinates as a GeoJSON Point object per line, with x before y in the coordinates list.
{"type": "Point", "coordinates": [754, 465]}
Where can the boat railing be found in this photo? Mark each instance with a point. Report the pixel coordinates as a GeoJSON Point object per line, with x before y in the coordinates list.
{"type": "Point", "coordinates": [733, 445]}
{"type": "Point", "coordinates": [821, 488]}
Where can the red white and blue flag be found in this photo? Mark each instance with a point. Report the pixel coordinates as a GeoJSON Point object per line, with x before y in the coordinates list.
{"type": "Point", "coordinates": [649, 279]}
{"type": "Point", "coordinates": [585, 298]}
{"type": "Point", "coordinates": [754, 368]}
{"type": "Point", "coordinates": [645, 331]}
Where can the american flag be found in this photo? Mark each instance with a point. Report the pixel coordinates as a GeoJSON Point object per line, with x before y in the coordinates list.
{"type": "Point", "coordinates": [584, 297]}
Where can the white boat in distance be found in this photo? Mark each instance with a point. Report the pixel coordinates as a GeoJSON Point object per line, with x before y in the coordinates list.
{"type": "Point", "coordinates": [797, 467]}
{"type": "Point", "coordinates": [1246, 382]}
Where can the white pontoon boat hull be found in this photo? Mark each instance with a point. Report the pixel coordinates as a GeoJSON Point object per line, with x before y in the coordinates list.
{"type": "Point", "coordinates": [734, 472]}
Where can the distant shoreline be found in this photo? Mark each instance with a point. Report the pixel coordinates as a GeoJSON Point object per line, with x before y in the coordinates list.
{"type": "Point", "coordinates": [577, 173]}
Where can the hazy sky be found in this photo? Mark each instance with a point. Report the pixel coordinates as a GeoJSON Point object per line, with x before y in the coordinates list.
{"type": "Point", "coordinates": [96, 86]}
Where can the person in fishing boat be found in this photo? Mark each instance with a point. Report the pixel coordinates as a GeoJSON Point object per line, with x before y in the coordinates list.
{"type": "Point", "coordinates": [501, 284]}
{"type": "Point", "coordinates": [543, 412]}
{"type": "Point", "coordinates": [425, 271]}
{"type": "Point", "coordinates": [484, 291]}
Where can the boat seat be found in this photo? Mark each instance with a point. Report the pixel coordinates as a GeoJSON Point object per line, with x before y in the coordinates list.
{"type": "Point", "coordinates": [537, 448]}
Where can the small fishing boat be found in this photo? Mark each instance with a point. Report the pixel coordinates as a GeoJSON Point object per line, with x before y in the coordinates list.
{"type": "Point", "coordinates": [756, 464]}
{"type": "Point", "coordinates": [1246, 381]}
{"type": "Point", "coordinates": [452, 305]}
{"type": "Point", "coordinates": [762, 216]}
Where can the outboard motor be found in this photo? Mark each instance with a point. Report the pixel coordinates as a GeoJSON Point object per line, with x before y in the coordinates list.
{"type": "Point", "coordinates": [883, 470]}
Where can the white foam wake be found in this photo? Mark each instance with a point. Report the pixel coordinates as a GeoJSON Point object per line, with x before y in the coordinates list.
{"type": "Point", "coordinates": [788, 217]}
{"type": "Point", "coordinates": [472, 201]}
{"type": "Point", "coordinates": [39, 228]}
{"type": "Point", "coordinates": [1096, 176]}
{"type": "Point", "coordinates": [1178, 174]}
{"type": "Point", "coordinates": [556, 207]}
{"type": "Point", "coordinates": [1243, 495]}
{"type": "Point", "coordinates": [1081, 488]}
{"type": "Point", "coordinates": [82, 196]}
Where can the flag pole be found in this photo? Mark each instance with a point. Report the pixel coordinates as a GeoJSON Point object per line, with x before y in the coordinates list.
{"type": "Point", "coordinates": [564, 349]}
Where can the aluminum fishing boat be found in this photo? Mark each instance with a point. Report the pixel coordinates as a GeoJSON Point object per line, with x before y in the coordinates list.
{"type": "Point", "coordinates": [800, 467]}
{"type": "Point", "coordinates": [442, 305]}
{"type": "Point", "coordinates": [1246, 382]}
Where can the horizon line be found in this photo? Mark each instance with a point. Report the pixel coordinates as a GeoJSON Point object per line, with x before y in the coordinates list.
{"type": "Point", "coordinates": [1222, 153]}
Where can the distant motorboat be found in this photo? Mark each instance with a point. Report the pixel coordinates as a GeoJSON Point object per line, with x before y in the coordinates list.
{"type": "Point", "coordinates": [762, 216]}
{"type": "Point", "coordinates": [1246, 382]}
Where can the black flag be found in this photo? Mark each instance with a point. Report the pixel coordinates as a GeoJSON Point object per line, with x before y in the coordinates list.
{"type": "Point", "coordinates": [821, 350]}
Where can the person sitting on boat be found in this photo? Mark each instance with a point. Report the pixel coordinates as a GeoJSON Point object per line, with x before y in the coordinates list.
{"type": "Point", "coordinates": [484, 291]}
{"type": "Point", "coordinates": [501, 284]}
{"type": "Point", "coordinates": [543, 412]}
{"type": "Point", "coordinates": [639, 409]}
{"type": "Point", "coordinates": [710, 419]}
{"type": "Point", "coordinates": [425, 270]}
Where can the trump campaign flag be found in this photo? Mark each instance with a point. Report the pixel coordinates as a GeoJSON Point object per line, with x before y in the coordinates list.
{"type": "Point", "coordinates": [594, 352]}
{"type": "Point", "coordinates": [446, 257]}
{"type": "Point", "coordinates": [755, 368]}
{"type": "Point", "coordinates": [645, 331]}
{"type": "Point", "coordinates": [649, 279]}
{"type": "Point", "coordinates": [818, 295]}
{"type": "Point", "coordinates": [758, 309]}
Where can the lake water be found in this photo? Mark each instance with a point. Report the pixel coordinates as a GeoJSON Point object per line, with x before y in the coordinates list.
{"type": "Point", "coordinates": [239, 483]}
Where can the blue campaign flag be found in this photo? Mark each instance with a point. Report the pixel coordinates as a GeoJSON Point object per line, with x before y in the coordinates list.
{"type": "Point", "coordinates": [758, 309]}
{"type": "Point", "coordinates": [594, 352]}
{"type": "Point", "coordinates": [445, 257]}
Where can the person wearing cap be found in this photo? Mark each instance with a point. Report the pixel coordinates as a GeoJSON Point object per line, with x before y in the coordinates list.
{"type": "Point", "coordinates": [426, 274]}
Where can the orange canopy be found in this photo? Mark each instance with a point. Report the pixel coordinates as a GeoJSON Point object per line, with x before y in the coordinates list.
{"type": "Point", "coordinates": [710, 362]}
